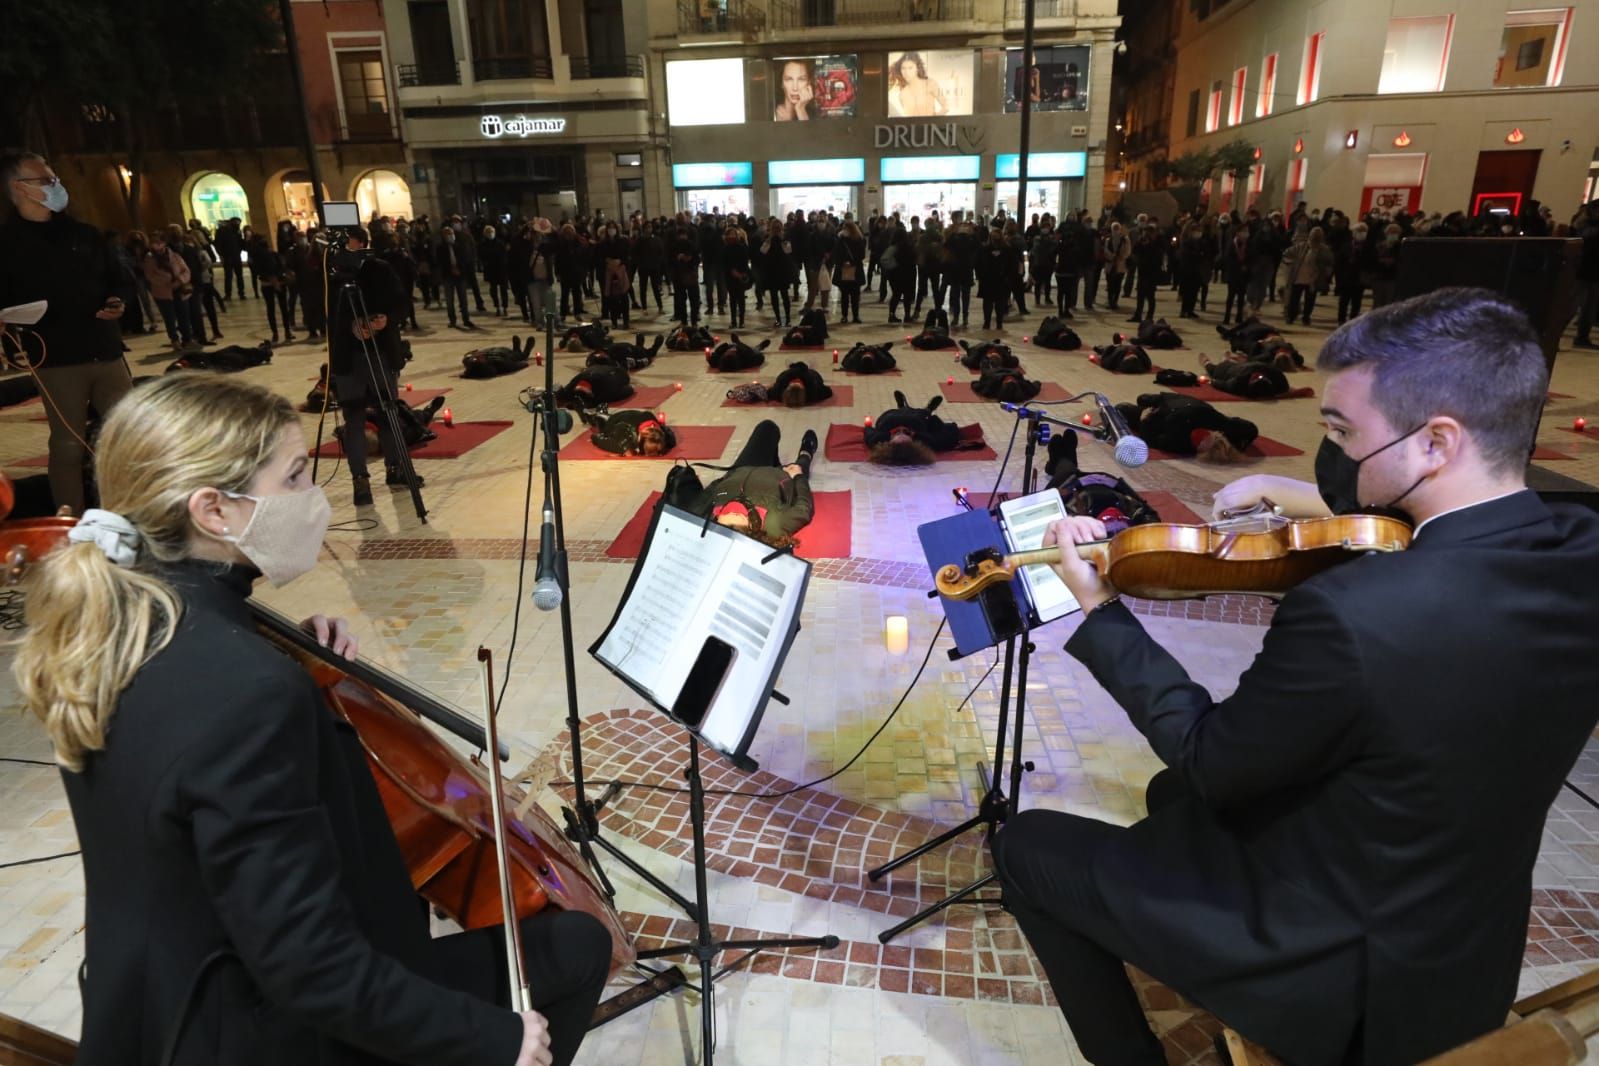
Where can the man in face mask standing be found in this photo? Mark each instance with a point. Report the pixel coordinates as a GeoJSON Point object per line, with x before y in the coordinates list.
{"type": "Point", "coordinates": [77, 346]}
{"type": "Point", "coordinates": [1338, 858]}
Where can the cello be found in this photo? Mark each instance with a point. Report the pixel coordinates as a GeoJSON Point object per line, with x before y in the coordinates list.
{"type": "Point", "coordinates": [1255, 551]}
{"type": "Point", "coordinates": [439, 802]}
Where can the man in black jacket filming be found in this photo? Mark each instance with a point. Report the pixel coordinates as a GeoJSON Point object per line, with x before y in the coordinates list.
{"type": "Point", "coordinates": [1338, 858]}
{"type": "Point", "coordinates": [367, 356]}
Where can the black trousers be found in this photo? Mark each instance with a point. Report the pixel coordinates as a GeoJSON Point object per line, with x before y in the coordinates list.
{"type": "Point", "coordinates": [567, 956]}
{"type": "Point", "coordinates": [1065, 293]}
{"type": "Point", "coordinates": [686, 304]}
{"type": "Point", "coordinates": [357, 392]}
{"type": "Point", "coordinates": [1349, 299]}
{"type": "Point", "coordinates": [571, 296]}
{"type": "Point", "coordinates": [776, 294]}
{"type": "Point", "coordinates": [233, 268]}
{"type": "Point", "coordinates": [960, 303]}
{"type": "Point", "coordinates": [1113, 291]}
{"type": "Point", "coordinates": [652, 280]}
{"type": "Point", "coordinates": [1147, 287]}
{"type": "Point", "coordinates": [761, 448]}
{"type": "Point", "coordinates": [849, 300]}
{"type": "Point", "coordinates": [1045, 860]}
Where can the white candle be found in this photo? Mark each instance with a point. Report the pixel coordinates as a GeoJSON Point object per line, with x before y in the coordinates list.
{"type": "Point", "coordinates": [896, 634]}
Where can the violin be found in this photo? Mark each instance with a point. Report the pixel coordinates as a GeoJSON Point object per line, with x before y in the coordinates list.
{"type": "Point", "coordinates": [1256, 551]}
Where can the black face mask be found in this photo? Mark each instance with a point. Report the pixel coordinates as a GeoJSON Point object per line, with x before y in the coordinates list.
{"type": "Point", "coordinates": [1338, 477]}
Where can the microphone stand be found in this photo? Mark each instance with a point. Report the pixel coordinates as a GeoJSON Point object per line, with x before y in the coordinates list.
{"type": "Point", "coordinates": [582, 815]}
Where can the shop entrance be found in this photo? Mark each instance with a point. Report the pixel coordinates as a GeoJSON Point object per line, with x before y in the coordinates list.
{"type": "Point", "coordinates": [921, 199]}
{"type": "Point", "coordinates": [839, 199]}
{"type": "Point", "coordinates": [1043, 197]}
{"type": "Point", "coordinates": [213, 197]}
{"type": "Point", "coordinates": [705, 201]}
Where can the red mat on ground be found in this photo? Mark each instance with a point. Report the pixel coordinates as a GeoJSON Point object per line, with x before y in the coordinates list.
{"type": "Point", "coordinates": [961, 392]}
{"type": "Point", "coordinates": [40, 461]}
{"type": "Point", "coordinates": [1549, 455]}
{"type": "Point", "coordinates": [1558, 395]}
{"type": "Point", "coordinates": [452, 442]}
{"type": "Point", "coordinates": [646, 396]}
{"type": "Point", "coordinates": [881, 374]}
{"type": "Point", "coordinates": [785, 347]}
{"type": "Point", "coordinates": [418, 397]}
{"type": "Point", "coordinates": [1591, 432]}
{"type": "Point", "coordinates": [1263, 448]}
{"type": "Point", "coordinates": [847, 444]}
{"type": "Point", "coordinates": [843, 396]}
{"type": "Point", "coordinates": [693, 442]}
{"type": "Point", "coordinates": [827, 537]}
{"type": "Point", "coordinates": [1211, 394]}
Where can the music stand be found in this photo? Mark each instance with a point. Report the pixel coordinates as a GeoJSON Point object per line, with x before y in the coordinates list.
{"type": "Point", "coordinates": [1004, 614]}
{"type": "Point", "coordinates": [702, 630]}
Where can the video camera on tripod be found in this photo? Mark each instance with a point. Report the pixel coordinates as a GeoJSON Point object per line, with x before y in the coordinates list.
{"type": "Point", "coordinates": [339, 217]}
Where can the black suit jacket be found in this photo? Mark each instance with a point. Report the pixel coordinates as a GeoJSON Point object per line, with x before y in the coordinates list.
{"type": "Point", "coordinates": [1353, 871]}
{"type": "Point", "coordinates": [228, 818]}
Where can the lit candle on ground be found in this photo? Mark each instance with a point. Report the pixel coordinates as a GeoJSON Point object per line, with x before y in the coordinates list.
{"type": "Point", "coordinates": [897, 634]}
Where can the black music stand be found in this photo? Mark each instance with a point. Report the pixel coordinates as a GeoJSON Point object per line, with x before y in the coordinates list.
{"type": "Point", "coordinates": [1005, 615]}
{"type": "Point", "coordinates": [722, 708]}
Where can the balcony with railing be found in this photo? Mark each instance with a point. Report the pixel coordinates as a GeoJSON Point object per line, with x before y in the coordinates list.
{"type": "Point", "coordinates": [1145, 139]}
{"type": "Point", "coordinates": [512, 68]}
{"type": "Point", "coordinates": [411, 75]}
{"type": "Point", "coordinates": [720, 18]}
{"type": "Point", "coordinates": [1016, 10]}
{"type": "Point", "coordinates": [807, 14]}
{"type": "Point", "coordinates": [585, 67]}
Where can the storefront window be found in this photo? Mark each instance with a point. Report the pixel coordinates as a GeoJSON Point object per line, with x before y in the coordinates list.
{"type": "Point", "coordinates": [1043, 197]}
{"type": "Point", "coordinates": [923, 198]}
{"type": "Point", "coordinates": [383, 192]}
{"type": "Point", "coordinates": [704, 201]}
{"type": "Point", "coordinates": [215, 197]}
{"type": "Point", "coordinates": [839, 199]}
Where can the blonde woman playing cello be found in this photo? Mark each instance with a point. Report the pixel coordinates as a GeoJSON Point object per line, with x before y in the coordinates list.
{"type": "Point", "coordinates": [246, 900]}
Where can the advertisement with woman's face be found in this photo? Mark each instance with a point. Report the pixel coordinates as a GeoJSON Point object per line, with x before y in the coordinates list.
{"type": "Point", "coordinates": [928, 84]}
{"type": "Point", "coordinates": [811, 87]}
{"type": "Point", "coordinates": [1058, 82]}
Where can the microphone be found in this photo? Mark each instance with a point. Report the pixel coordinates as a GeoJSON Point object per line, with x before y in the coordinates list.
{"type": "Point", "coordinates": [532, 401]}
{"type": "Point", "coordinates": [547, 593]}
{"type": "Point", "coordinates": [1130, 448]}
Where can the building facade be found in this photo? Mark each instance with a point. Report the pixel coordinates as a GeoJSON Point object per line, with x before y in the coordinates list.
{"type": "Point", "coordinates": [876, 105]}
{"type": "Point", "coordinates": [240, 152]}
{"type": "Point", "coordinates": [522, 107]}
{"type": "Point", "coordinates": [1469, 105]}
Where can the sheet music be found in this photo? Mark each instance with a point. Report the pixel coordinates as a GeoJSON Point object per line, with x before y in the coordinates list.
{"type": "Point", "coordinates": [1026, 519]}
{"type": "Point", "coordinates": [676, 572]}
{"type": "Point", "coordinates": [691, 587]}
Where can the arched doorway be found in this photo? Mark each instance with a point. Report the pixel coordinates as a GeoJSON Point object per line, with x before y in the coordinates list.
{"type": "Point", "coordinates": [289, 199]}
{"type": "Point", "coordinates": [212, 196]}
{"type": "Point", "coordinates": [382, 193]}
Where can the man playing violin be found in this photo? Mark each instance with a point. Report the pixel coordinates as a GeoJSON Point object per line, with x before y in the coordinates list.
{"type": "Point", "coordinates": [247, 902]}
{"type": "Point", "coordinates": [1338, 857]}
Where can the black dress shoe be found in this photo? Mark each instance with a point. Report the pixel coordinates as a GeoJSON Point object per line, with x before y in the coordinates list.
{"type": "Point", "coordinates": [363, 491]}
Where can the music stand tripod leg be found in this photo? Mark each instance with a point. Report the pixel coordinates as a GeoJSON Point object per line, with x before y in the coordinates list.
{"type": "Point", "coordinates": [705, 947]}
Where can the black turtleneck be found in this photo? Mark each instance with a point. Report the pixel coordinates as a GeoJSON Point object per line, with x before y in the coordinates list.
{"type": "Point", "coordinates": [67, 263]}
{"type": "Point", "coordinates": [228, 812]}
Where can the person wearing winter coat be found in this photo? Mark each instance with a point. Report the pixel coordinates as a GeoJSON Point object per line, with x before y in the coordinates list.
{"type": "Point", "coordinates": [1309, 265]}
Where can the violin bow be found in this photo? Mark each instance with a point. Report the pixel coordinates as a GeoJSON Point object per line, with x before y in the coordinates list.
{"type": "Point", "coordinates": [515, 968]}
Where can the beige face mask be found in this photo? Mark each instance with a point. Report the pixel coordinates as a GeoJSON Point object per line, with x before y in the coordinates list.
{"type": "Point", "coordinates": [284, 535]}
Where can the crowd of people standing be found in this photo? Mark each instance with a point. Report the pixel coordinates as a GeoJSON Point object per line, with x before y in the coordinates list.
{"type": "Point", "coordinates": [713, 265]}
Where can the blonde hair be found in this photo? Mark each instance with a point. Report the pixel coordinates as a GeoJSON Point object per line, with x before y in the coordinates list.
{"type": "Point", "coordinates": [92, 625]}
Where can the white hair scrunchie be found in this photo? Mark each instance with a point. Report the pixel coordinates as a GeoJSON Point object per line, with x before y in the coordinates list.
{"type": "Point", "coordinates": [110, 532]}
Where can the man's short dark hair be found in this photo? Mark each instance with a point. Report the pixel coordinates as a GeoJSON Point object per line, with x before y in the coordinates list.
{"type": "Point", "coordinates": [1462, 352]}
{"type": "Point", "coordinates": [11, 161]}
{"type": "Point", "coordinates": [359, 233]}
